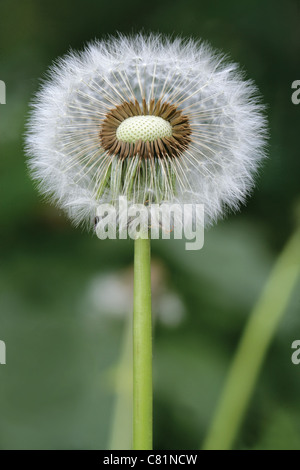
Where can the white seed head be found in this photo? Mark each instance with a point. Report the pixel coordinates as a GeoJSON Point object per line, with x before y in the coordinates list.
{"type": "Point", "coordinates": [152, 119]}
{"type": "Point", "coordinates": [145, 128]}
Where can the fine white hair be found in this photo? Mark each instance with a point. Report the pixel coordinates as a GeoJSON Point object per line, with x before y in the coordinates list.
{"type": "Point", "coordinates": [228, 128]}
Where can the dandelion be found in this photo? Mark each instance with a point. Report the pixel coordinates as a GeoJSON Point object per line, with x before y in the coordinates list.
{"type": "Point", "coordinates": [155, 121]}
{"type": "Point", "coordinates": [149, 119]}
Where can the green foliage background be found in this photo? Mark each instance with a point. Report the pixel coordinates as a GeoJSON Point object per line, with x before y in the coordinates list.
{"type": "Point", "coordinates": [57, 388]}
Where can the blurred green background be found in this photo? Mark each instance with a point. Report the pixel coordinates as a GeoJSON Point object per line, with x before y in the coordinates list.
{"type": "Point", "coordinates": [66, 296]}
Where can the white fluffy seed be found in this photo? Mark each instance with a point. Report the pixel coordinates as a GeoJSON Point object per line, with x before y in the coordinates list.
{"type": "Point", "coordinates": [228, 127]}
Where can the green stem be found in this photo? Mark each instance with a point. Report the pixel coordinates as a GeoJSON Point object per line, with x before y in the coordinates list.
{"type": "Point", "coordinates": [253, 346]}
{"type": "Point", "coordinates": [142, 347]}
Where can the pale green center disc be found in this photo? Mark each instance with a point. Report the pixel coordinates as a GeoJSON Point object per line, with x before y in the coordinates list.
{"type": "Point", "coordinates": [145, 128]}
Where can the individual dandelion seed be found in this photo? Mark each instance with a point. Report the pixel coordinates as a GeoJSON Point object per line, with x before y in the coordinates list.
{"type": "Point", "coordinates": [147, 118]}
{"type": "Point", "coordinates": [154, 121]}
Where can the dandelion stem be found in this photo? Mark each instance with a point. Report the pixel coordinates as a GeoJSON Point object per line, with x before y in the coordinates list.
{"type": "Point", "coordinates": [142, 347]}
{"type": "Point", "coordinates": [253, 346]}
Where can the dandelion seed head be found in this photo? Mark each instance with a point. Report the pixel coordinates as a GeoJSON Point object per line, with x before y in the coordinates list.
{"type": "Point", "coordinates": [145, 128]}
{"type": "Point", "coordinates": [150, 119]}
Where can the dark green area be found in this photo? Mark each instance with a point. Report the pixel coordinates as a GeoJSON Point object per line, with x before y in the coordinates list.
{"type": "Point", "coordinates": [57, 388]}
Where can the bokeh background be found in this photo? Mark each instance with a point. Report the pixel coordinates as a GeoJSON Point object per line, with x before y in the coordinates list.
{"type": "Point", "coordinates": [65, 299]}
